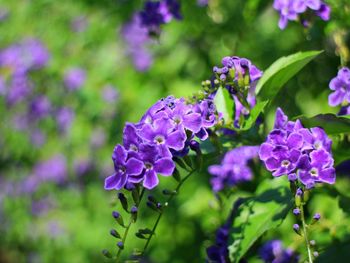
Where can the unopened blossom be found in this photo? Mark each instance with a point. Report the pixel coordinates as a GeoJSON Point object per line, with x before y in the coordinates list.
{"type": "Point", "coordinates": [233, 168]}
{"type": "Point", "coordinates": [340, 85]}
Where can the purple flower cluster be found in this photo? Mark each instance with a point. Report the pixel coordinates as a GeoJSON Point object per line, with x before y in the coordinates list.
{"type": "Point", "coordinates": [157, 13]}
{"type": "Point", "coordinates": [299, 153]}
{"type": "Point", "coordinates": [19, 60]}
{"type": "Point", "coordinates": [233, 168]}
{"type": "Point", "coordinates": [293, 10]}
{"type": "Point", "coordinates": [52, 170]}
{"type": "Point", "coordinates": [274, 252]}
{"type": "Point", "coordinates": [137, 34]}
{"type": "Point", "coordinates": [165, 130]}
{"type": "Point", "coordinates": [340, 85]}
{"type": "Point", "coordinates": [137, 38]}
{"type": "Point", "coordinates": [239, 76]}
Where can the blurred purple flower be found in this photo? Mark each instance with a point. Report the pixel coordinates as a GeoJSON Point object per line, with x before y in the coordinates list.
{"type": "Point", "coordinates": [340, 85]}
{"type": "Point", "coordinates": [79, 24]}
{"type": "Point", "coordinates": [290, 10]}
{"type": "Point", "coordinates": [64, 117]}
{"type": "Point", "coordinates": [110, 94]}
{"type": "Point", "coordinates": [136, 38]}
{"type": "Point", "coordinates": [40, 107]}
{"type": "Point", "coordinates": [98, 138]}
{"type": "Point", "coordinates": [233, 168]}
{"type": "Point", "coordinates": [274, 252]}
{"type": "Point", "coordinates": [74, 78]}
{"type": "Point", "coordinates": [52, 170]}
{"type": "Point", "coordinates": [38, 138]}
{"type": "Point", "coordinates": [82, 167]}
{"type": "Point", "coordinates": [202, 2]}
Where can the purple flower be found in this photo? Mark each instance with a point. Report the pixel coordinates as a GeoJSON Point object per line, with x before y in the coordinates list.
{"type": "Point", "coordinates": [164, 134]}
{"type": "Point", "coordinates": [290, 10]}
{"type": "Point", "coordinates": [154, 163]}
{"type": "Point", "coordinates": [274, 252]}
{"type": "Point", "coordinates": [299, 153]}
{"type": "Point", "coordinates": [234, 168]}
{"type": "Point", "coordinates": [64, 117]}
{"type": "Point", "coordinates": [79, 24]}
{"type": "Point", "coordinates": [40, 107]}
{"type": "Point", "coordinates": [52, 170]}
{"type": "Point", "coordinates": [341, 88]}
{"type": "Point", "coordinates": [137, 38]}
{"type": "Point", "coordinates": [318, 167]}
{"type": "Point", "coordinates": [38, 138]}
{"type": "Point", "coordinates": [287, 10]}
{"type": "Point", "coordinates": [154, 14]}
{"type": "Point", "coordinates": [74, 78]}
{"type": "Point", "coordinates": [124, 167]}
{"type": "Point", "coordinates": [110, 94]}
{"type": "Point", "coordinates": [202, 2]}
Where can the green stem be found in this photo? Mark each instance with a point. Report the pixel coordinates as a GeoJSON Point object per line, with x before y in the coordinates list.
{"type": "Point", "coordinates": [128, 226]}
{"type": "Point", "coordinates": [161, 212]}
{"type": "Point", "coordinates": [304, 226]}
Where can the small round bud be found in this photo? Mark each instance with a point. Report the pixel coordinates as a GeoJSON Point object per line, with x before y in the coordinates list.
{"type": "Point", "coordinates": [133, 210]}
{"type": "Point", "coordinates": [299, 192]}
{"type": "Point", "coordinates": [296, 211]}
{"type": "Point", "coordinates": [317, 216]}
{"type": "Point", "coordinates": [312, 242]}
{"type": "Point", "coordinates": [292, 177]}
{"type": "Point", "coordinates": [114, 233]}
{"type": "Point", "coordinates": [194, 145]}
{"type": "Point", "coordinates": [106, 253]}
{"type": "Point", "coordinates": [296, 229]}
{"type": "Point", "coordinates": [120, 244]}
{"type": "Point", "coordinates": [159, 205]}
{"type": "Point", "coordinates": [315, 254]}
{"type": "Point", "coordinates": [115, 214]}
{"type": "Point", "coordinates": [222, 77]}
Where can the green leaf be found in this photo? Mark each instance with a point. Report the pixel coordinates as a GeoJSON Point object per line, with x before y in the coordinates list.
{"type": "Point", "coordinates": [258, 214]}
{"type": "Point", "coordinates": [254, 114]}
{"type": "Point", "coordinates": [331, 123]}
{"type": "Point", "coordinates": [281, 71]}
{"type": "Point", "coordinates": [224, 103]}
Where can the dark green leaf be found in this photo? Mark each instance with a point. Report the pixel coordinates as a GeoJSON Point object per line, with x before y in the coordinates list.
{"type": "Point", "coordinates": [258, 214]}
{"type": "Point", "coordinates": [224, 103]}
{"type": "Point", "coordinates": [281, 71]}
{"type": "Point", "coordinates": [331, 123]}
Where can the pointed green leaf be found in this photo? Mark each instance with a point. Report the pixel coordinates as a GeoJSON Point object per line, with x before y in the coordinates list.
{"type": "Point", "coordinates": [254, 114]}
{"type": "Point", "coordinates": [224, 104]}
{"type": "Point", "coordinates": [281, 71]}
{"type": "Point", "coordinates": [258, 214]}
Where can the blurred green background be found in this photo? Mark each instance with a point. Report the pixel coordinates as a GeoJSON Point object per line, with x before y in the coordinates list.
{"type": "Point", "coordinates": [69, 220]}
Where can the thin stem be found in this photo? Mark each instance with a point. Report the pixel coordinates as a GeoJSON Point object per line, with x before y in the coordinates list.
{"type": "Point", "coordinates": [304, 225]}
{"type": "Point", "coordinates": [128, 226]}
{"type": "Point", "coordinates": [161, 212]}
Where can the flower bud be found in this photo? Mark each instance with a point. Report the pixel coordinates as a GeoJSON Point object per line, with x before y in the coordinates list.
{"type": "Point", "coordinates": [296, 228]}
{"type": "Point", "coordinates": [114, 233]}
{"type": "Point", "coordinates": [120, 244]}
{"type": "Point", "coordinates": [296, 211]}
{"type": "Point", "coordinates": [315, 218]}
{"type": "Point", "coordinates": [133, 212]}
{"type": "Point", "coordinates": [106, 253]}
{"type": "Point", "coordinates": [118, 217]}
{"type": "Point", "coordinates": [153, 206]}
{"type": "Point", "coordinates": [136, 195]}
{"type": "Point", "coordinates": [315, 254]}
{"type": "Point", "coordinates": [292, 177]}
{"type": "Point", "coordinates": [123, 201]}
{"type": "Point", "coordinates": [312, 242]}
{"type": "Point", "coordinates": [169, 192]}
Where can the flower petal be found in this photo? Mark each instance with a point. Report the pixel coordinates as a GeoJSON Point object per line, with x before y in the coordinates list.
{"type": "Point", "coordinates": [164, 166]}
{"type": "Point", "coordinates": [151, 179]}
